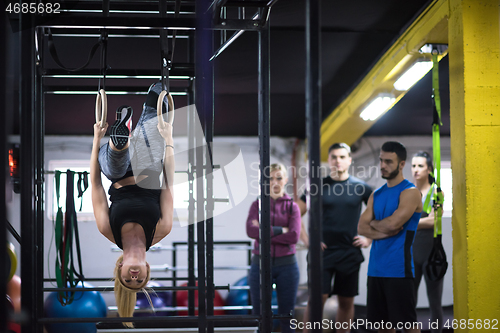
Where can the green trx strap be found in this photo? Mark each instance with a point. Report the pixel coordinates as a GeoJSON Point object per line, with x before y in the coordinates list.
{"type": "Point", "coordinates": [427, 203]}
{"type": "Point", "coordinates": [437, 264]}
{"type": "Point", "coordinates": [436, 147]}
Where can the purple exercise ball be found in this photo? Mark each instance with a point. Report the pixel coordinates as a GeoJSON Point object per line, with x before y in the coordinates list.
{"type": "Point", "coordinates": [160, 300]}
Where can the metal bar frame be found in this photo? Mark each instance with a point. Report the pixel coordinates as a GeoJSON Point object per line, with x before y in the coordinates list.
{"type": "Point", "coordinates": [30, 132]}
{"type": "Point", "coordinates": [110, 288]}
{"type": "Point", "coordinates": [191, 166]}
{"type": "Point", "coordinates": [39, 183]}
{"type": "Point", "coordinates": [243, 24]}
{"type": "Point", "coordinates": [313, 124]}
{"type": "Point", "coordinates": [264, 101]}
{"type": "Point", "coordinates": [208, 108]}
{"type": "Point", "coordinates": [121, 6]}
{"type": "Point", "coordinates": [203, 22]}
{"type": "Point", "coordinates": [11, 229]}
{"type": "Point", "coordinates": [4, 84]}
{"type": "Point", "coordinates": [154, 319]}
{"type": "Point", "coordinates": [113, 23]}
{"type": "Point", "coordinates": [180, 69]}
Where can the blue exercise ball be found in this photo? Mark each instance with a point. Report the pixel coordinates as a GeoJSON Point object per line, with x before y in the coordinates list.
{"type": "Point", "coordinates": [159, 299]}
{"type": "Point", "coordinates": [241, 297]}
{"type": "Point", "coordinates": [88, 304]}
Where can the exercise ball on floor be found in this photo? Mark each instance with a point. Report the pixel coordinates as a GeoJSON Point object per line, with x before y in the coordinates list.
{"type": "Point", "coordinates": [11, 264]}
{"type": "Point", "coordinates": [159, 299]}
{"type": "Point", "coordinates": [88, 304]}
{"type": "Point", "coordinates": [12, 327]}
{"type": "Point", "coordinates": [241, 297]}
{"type": "Point", "coordinates": [14, 292]}
{"type": "Point", "coordinates": [182, 300]}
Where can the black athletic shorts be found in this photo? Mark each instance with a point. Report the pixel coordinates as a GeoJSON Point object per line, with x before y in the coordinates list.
{"type": "Point", "coordinates": [391, 300]}
{"type": "Point", "coordinates": [343, 285]}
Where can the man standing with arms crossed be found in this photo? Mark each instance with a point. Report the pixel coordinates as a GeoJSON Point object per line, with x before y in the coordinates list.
{"type": "Point", "coordinates": [342, 197]}
{"type": "Point", "coordinates": [391, 219]}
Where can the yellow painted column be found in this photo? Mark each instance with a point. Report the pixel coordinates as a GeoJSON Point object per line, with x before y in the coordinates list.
{"type": "Point", "coordinates": [474, 49]}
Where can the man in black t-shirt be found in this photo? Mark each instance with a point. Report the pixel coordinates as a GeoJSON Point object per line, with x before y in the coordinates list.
{"type": "Point", "coordinates": [342, 196]}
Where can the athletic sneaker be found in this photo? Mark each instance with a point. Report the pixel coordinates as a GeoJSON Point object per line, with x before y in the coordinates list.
{"type": "Point", "coordinates": [154, 92]}
{"type": "Point", "coordinates": [120, 131]}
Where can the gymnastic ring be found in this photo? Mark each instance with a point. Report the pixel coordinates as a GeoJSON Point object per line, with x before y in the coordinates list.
{"type": "Point", "coordinates": [12, 260]}
{"type": "Point", "coordinates": [159, 107]}
{"type": "Point", "coordinates": [101, 108]}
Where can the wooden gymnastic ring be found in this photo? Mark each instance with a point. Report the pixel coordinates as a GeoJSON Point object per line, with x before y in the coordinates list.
{"type": "Point", "coordinates": [159, 107]}
{"type": "Point", "coordinates": [101, 108]}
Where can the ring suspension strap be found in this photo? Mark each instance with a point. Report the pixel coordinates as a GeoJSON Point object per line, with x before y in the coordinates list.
{"type": "Point", "coordinates": [104, 49]}
{"type": "Point", "coordinates": [101, 104]}
{"type": "Point", "coordinates": [437, 264]}
{"type": "Point", "coordinates": [166, 65]}
{"type": "Point", "coordinates": [166, 62]}
{"type": "Point", "coordinates": [174, 33]}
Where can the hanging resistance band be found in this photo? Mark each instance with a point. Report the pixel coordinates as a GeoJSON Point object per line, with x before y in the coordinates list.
{"type": "Point", "coordinates": [83, 185]}
{"type": "Point", "coordinates": [437, 264]}
{"type": "Point", "coordinates": [64, 228]}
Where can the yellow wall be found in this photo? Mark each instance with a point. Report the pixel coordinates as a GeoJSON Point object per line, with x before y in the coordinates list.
{"type": "Point", "coordinates": [474, 50]}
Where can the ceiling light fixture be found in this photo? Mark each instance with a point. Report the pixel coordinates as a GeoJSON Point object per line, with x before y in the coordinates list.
{"type": "Point", "coordinates": [377, 107]}
{"type": "Point", "coordinates": [412, 75]}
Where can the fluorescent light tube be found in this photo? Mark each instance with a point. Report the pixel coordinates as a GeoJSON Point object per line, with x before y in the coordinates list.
{"type": "Point", "coordinates": [377, 107]}
{"type": "Point", "coordinates": [412, 75]}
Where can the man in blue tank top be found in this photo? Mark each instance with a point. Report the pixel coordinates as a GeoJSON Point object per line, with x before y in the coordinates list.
{"type": "Point", "coordinates": [390, 219]}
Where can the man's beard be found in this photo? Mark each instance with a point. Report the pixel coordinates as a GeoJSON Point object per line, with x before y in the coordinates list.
{"type": "Point", "coordinates": [392, 175]}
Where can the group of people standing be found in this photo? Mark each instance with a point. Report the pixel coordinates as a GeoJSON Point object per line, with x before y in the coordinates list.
{"type": "Point", "coordinates": [393, 223]}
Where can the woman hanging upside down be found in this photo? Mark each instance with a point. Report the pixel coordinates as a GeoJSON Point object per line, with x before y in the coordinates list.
{"type": "Point", "coordinates": [141, 211]}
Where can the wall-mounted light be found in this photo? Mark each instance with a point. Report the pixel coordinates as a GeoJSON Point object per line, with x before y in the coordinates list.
{"type": "Point", "coordinates": [377, 107]}
{"type": "Point", "coordinates": [412, 75]}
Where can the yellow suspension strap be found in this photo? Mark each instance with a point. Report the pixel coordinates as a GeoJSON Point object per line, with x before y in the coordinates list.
{"type": "Point", "coordinates": [437, 264]}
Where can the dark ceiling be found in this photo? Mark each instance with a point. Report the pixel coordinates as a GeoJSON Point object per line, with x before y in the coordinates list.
{"type": "Point", "coordinates": [355, 34]}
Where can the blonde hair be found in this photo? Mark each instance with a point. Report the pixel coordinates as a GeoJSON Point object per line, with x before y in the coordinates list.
{"type": "Point", "coordinates": [278, 167]}
{"type": "Point", "coordinates": [126, 297]}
